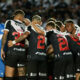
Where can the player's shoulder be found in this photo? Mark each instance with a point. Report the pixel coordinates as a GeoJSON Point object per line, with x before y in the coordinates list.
{"type": "Point", "coordinates": [7, 21]}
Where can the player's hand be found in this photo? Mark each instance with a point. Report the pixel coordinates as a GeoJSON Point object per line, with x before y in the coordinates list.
{"type": "Point", "coordinates": [75, 36]}
{"type": "Point", "coordinates": [27, 21]}
{"type": "Point", "coordinates": [10, 44]}
{"type": "Point", "coordinates": [2, 54]}
{"type": "Point", "coordinates": [33, 25]}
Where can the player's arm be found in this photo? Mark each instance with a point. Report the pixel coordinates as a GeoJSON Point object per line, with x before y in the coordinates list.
{"type": "Point", "coordinates": [50, 49]}
{"type": "Point", "coordinates": [40, 31]}
{"type": "Point", "coordinates": [50, 52]}
{"type": "Point", "coordinates": [27, 21]}
{"type": "Point", "coordinates": [75, 36]}
{"type": "Point", "coordinates": [4, 38]}
{"type": "Point", "coordinates": [22, 37]}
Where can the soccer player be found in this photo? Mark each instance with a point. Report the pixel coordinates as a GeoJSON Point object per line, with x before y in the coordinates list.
{"type": "Point", "coordinates": [36, 65]}
{"type": "Point", "coordinates": [2, 66]}
{"type": "Point", "coordinates": [74, 44]}
{"type": "Point", "coordinates": [62, 53]}
{"type": "Point", "coordinates": [15, 56]}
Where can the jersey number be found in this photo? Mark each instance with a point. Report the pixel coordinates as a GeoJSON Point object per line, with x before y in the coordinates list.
{"type": "Point", "coordinates": [17, 35]}
{"type": "Point", "coordinates": [41, 42]}
{"type": "Point", "coordinates": [63, 44]}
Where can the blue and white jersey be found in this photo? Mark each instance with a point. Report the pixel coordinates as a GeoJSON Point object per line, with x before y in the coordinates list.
{"type": "Point", "coordinates": [1, 34]}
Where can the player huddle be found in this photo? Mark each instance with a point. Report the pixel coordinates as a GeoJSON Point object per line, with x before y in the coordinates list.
{"type": "Point", "coordinates": [53, 51]}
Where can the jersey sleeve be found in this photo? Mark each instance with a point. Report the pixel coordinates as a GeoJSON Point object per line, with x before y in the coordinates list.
{"type": "Point", "coordinates": [7, 25]}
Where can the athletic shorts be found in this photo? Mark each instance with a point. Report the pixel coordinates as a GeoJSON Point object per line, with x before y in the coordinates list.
{"type": "Point", "coordinates": [37, 68]}
{"type": "Point", "coordinates": [15, 57]}
{"type": "Point", "coordinates": [63, 67]}
{"type": "Point", "coordinates": [2, 68]}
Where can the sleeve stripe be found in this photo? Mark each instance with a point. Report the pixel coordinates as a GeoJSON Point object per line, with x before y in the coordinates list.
{"type": "Point", "coordinates": [6, 23]}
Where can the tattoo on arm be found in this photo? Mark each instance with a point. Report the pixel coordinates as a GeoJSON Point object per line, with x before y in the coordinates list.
{"type": "Point", "coordinates": [25, 35]}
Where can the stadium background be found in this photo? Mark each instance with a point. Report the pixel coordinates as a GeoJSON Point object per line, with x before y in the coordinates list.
{"type": "Point", "coordinates": [59, 9]}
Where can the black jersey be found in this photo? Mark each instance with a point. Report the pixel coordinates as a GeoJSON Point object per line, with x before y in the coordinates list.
{"type": "Point", "coordinates": [74, 44]}
{"type": "Point", "coordinates": [16, 29]}
{"type": "Point", "coordinates": [59, 42]}
{"type": "Point", "coordinates": [37, 45]}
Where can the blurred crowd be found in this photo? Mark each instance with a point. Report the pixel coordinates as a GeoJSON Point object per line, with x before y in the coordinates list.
{"type": "Point", "coordinates": [59, 9]}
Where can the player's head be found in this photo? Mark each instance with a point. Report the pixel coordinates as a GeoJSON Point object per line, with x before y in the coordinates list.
{"type": "Point", "coordinates": [69, 25]}
{"type": "Point", "coordinates": [57, 27]}
{"type": "Point", "coordinates": [19, 14]}
{"type": "Point", "coordinates": [51, 19]}
{"type": "Point", "coordinates": [60, 25]}
{"type": "Point", "coordinates": [37, 19]}
{"type": "Point", "coordinates": [50, 25]}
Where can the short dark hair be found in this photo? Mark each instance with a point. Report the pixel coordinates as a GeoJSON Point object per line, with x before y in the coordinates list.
{"type": "Point", "coordinates": [36, 17]}
{"type": "Point", "coordinates": [69, 21]}
{"type": "Point", "coordinates": [57, 27]}
{"type": "Point", "coordinates": [18, 12]}
{"type": "Point", "coordinates": [51, 19]}
{"type": "Point", "coordinates": [59, 23]}
{"type": "Point", "coordinates": [52, 24]}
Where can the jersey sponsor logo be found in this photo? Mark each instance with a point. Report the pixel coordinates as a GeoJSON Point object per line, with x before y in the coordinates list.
{"type": "Point", "coordinates": [67, 53]}
{"type": "Point", "coordinates": [42, 74]}
{"type": "Point", "coordinates": [40, 53]}
{"type": "Point", "coordinates": [18, 49]}
{"type": "Point", "coordinates": [20, 65]}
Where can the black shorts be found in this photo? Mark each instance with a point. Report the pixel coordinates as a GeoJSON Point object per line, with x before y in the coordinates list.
{"type": "Point", "coordinates": [36, 69]}
{"type": "Point", "coordinates": [78, 64]}
{"type": "Point", "coordinates": [58, 68]}
{"type": "Point", "coordinates": [63, 67]}
{"type": "Point", "coordinates": [15, 57]}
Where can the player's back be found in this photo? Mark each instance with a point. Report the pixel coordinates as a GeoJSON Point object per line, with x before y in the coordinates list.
{"type": "Point", "coordinates": [16, 29]}
{"type": "Point", "coordinates": [59, 42]}
{"type": "Point", "coordinates": [37, 45]}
